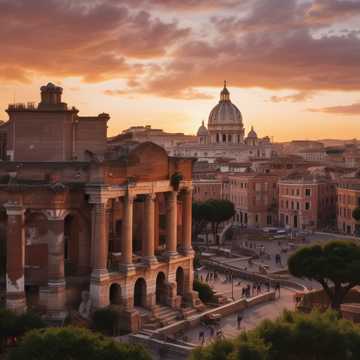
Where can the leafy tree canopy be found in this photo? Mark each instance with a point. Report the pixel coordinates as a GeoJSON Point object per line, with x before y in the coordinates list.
{"type": "Point", "coordinates": [74, 344]}
{"type": "Point", "coordinates": [336, 266]}
{"type": "Point", "coordinates": [356, 214]}
{"type": "Point", "coordinates": [293, 336]}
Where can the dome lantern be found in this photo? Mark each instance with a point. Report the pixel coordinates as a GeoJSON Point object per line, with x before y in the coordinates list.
{"type": "Point", "coordinates": [225, 94]}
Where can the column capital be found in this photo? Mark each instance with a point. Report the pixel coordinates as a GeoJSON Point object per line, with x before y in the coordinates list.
{"type": "Point", "coordinates": [55, 214]}
{"type": "Point", "coordinates": [150, 196]}
{"type": "Point", "coordinates": [172, 195]}
{"type": "Point", "coordinates": [14, 208]}
{"type": "Point", "coordinates": [129, 197]}
{"type": "Point", "coordinates": [187, 190]}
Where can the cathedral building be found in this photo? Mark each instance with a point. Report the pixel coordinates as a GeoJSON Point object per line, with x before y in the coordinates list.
{"type": "Point", "coordinates": [76, 217]}
{"type": "Point", "coordinates": [224, 136]}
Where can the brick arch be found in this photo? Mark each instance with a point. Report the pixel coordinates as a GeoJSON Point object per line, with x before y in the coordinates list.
{"type": "Point", "coordinates": [115, 293]}
{"type": "Point", "coordinates": [140, 292]}
{"type": "Point", "coordinates": [161, 290]}
{"type": "Point", "coordinates": [180, 280]}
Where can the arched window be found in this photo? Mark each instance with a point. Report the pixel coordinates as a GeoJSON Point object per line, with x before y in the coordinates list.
{"type": "Point", "coordinates": [224, 138]}
{"type": "Point", "coordinates": [217, 138]}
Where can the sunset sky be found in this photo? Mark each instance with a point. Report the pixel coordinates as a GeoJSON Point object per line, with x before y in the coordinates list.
{"type": "Point", "coordinates": [292, 66]}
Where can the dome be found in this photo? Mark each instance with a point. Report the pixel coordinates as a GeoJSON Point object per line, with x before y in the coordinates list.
{"type": "Point", "coordinates": [225, 112]}
{"type": "Point", "coordinates": [203, 131]}
{"type": "Point", "coordinates": [252, 134]}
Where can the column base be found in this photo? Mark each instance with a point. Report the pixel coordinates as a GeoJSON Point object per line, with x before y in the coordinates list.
{"type": "Point", "coordinates": [150, 260]}
{"type": "Point", "coordinates": [192, 297]}
{"type": "Point", "coordinates": [53, 297]}
{"type": "Point", "coordinates": [127, 268]}
{"type": "Point", "coordinates": [56, 317]}
{"type": "Point", "coordinates": [188, 252]}
{"type": "Point", "coordinates": [99, 274]}
{"type": "Point", "coordinates": [98, 288]}
{"type": "Point", "coordinates": [172, 254]}
{"type": "Point", "coordinates": [16, 303]}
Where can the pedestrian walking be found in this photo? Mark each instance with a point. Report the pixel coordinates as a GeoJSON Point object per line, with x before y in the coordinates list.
{"type": "Point", "coordinates": [239, 319]}
{"type": "Point", "coordinates": [258, 289]}
{"type": "Point", "coordinates": [202, 337]}
{"type": "Point", "coordinates": [277, 288]}
{"type": "Point", "coordinates": [212, 332]}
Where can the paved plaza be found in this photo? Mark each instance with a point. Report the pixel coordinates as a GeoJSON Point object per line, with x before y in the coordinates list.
{"type": "Point", "coordinates": [251, 318]}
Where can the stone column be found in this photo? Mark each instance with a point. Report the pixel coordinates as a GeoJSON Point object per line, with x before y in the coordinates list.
{"type": "Point", "coordinates": [149, 251]}
{"type": "Point", "coordinates": [99, 254]}
{"type": "Point", "coordinates": [127, 233]}
{"type": "Point", "coordinates": [15, 258]}
{"type": "Point", "coordinates": [171, 223]}
{"type": "Point", "coordinates": [187, 221]}
{"type": "Point", "coordinates": [56, 291]}
{"type": "Point", "coordinates": [100, 239]}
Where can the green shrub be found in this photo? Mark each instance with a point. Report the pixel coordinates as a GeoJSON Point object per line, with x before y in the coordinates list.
{"type": "Point", "coordinates": [71, 343]}
{"type": "Point", "coordinates": [14, 325]}
{"type": "Point", "coordinates": [293, 336]}
{"type": "Point", "coordinates": [106, 320]}
{"type": "Point", "coordinates": [206, 293]}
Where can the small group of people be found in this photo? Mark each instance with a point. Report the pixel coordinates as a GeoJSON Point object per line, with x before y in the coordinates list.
{"type": "Point", "coordinates": [254, 290]}
{"type": "Point", "coordinates": [215, 333]}
{"type": "Point", "coordinates": [210, 276]}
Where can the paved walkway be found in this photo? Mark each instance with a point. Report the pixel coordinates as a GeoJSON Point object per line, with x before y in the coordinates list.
{"type": "Point", "coordinates": [251, 318]}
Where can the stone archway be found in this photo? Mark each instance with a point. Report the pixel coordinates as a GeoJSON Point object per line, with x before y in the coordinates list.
{"type": "Point", "coordinates": [140, 292]}
{"type": "Point", "coordinates": [160, 289]}
{"type": "Point", "coordinates": [115, 294]}
{"type": "Point", "coordinates": [180, 281]}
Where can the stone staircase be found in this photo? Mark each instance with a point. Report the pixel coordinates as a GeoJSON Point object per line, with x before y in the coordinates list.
{"type": "Point", "coordinates": [188, 312]}
{"type": "Point", "coordinates": [161, 316]}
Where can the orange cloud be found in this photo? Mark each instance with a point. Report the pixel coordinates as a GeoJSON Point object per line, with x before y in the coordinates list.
{"type": "Point", "coordinates": [297, 97]}
{"type": "Point", "coordinates": [133, 40]}
{"type": "Point", "coordinates": [71, 38]}
{"type": "Point", "coordinates": [352, 109]}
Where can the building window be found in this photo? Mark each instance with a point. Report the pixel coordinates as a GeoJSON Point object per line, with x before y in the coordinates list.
{"type": "Point", "coordinates": [256, 218]}
{"type": "Point", "coordinates": [224, 138]}
{"type": "Point", "coordinates": [307, 192]}
{"type": "Point", "coordinates": [307, 206]}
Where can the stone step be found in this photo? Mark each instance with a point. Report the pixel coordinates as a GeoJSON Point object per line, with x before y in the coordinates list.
{"type": "Point", "coordinates": [188, 312]}
{"type": "Point", "coordinates": [151, 326]}
{"type": "Point", "coordinates": [148, 332]}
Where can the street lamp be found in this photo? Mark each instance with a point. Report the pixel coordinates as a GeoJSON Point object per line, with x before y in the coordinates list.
{"type": "Point", "coordinates": [232, 285]}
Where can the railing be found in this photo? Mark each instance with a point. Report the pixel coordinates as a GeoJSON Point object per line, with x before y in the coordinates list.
{"type": "Point", "coordinates": [22, 106]}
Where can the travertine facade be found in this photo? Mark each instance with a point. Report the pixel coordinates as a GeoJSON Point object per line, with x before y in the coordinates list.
{"type": "Point", "coordinates": [348, 199]}
{"type": "Point", "coordinates": [255, 197]}
{"type": "Point", "coordinates": [307, 201]}
{"type": "Point", "coordinates": [116, 225]}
